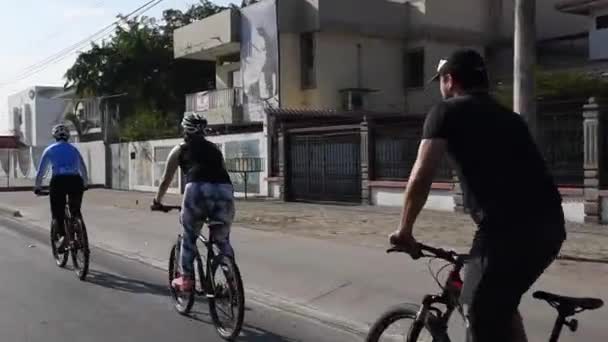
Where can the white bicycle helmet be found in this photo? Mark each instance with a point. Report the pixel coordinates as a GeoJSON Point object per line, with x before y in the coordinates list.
{"type": "Point", "coordinates": [194, 124]}
{"type": "Point", "coordinates": [61, 132]}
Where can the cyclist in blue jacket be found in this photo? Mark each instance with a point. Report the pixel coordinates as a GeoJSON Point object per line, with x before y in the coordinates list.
{"type": "Point", "coordinates": [69, 178]}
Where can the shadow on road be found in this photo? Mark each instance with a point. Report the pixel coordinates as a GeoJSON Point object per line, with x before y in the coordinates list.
{"type": "Point", "coordinates": [116, 282]}
{"type": "Point", "coordinates": [249, 333]}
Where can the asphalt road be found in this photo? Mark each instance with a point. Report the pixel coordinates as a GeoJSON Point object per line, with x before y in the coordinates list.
{"type": "Point", "coordinates": [122, 300]}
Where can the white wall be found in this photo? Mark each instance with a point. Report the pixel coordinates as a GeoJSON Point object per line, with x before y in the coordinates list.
{"type": "Point", "coordinates": [94, 157]}
{"type": "Point", "coordinates": [574, 211]}
{"type": "Point", "coordinates": [442, 200]}
{"type": "Point", "coordinates": [143, 173]}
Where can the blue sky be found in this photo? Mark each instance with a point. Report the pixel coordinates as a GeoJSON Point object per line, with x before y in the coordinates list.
{"type": "Point", "coordinates": [32, 30]}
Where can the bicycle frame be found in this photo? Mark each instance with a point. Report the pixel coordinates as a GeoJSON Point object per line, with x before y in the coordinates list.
{"type": "Point", "coordinates": [206, 281]}
{"type": "Point", "coordinates": [450, 298]}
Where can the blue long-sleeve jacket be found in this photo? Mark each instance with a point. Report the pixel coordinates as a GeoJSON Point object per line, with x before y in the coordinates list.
{"type": "Point", "coordinates": [65, 159]}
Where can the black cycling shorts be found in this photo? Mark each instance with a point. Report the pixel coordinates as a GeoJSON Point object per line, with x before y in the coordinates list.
{"type": "Point", "coordinates": [496, 279]}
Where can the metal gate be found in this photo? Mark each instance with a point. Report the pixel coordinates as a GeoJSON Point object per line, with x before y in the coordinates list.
{"type": "Point", "coordinates": [324, 168]}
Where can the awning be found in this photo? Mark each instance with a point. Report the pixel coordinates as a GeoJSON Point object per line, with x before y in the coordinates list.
{"type": "Point", "coordinates": [10, 142]}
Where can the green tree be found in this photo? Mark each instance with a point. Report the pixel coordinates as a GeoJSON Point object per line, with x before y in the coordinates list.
{"type": "Point", "coordinates": [555, 86]}
{"type": "Point", "coordinates": [138, 60]}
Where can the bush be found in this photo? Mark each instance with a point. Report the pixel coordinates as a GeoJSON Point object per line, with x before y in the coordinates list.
{"type": "Point", "coordinates": [147, 124]}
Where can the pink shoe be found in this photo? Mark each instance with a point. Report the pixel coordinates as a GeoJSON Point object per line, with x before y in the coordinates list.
{"type": "Point", "coordinates": [182, 284]}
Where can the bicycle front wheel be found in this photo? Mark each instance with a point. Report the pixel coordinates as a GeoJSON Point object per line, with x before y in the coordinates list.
{"type": "Point", "coordinates": [80, 249]}
{"type": "Point", "coordinates": [399, 324]}
{"type": "Point", "coordinates": [227, 306]}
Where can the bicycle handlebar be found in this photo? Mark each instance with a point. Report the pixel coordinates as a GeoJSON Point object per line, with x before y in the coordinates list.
{"type": "Point", "coordinates": [440, 253]}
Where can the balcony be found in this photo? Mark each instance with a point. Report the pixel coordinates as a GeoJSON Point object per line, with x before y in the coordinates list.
{"type": "Point", "coordinates": [221, 106]}
{"type": "Point", "coordinates": [210, 38]}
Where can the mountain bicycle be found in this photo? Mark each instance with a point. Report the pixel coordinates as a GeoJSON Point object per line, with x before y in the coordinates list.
{"type": "Point", "coordinates": [76, 244]}
{"type": "Point", "coordinates": [430, 323]}
{"type": "Point", "coordinates": [225, 300]}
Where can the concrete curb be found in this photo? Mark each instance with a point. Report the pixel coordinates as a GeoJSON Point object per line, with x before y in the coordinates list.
{"type": "Point", "coordinates": [10, 212]}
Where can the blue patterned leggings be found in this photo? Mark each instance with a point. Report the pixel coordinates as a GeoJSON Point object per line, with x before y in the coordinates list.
{"type": "Point", "coordinates": [206, 201]}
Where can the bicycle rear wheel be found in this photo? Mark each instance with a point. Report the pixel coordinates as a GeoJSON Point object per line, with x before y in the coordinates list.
{"type": "Point", "coordinates": [80, 249]}
{"type": "Point", "coordinates": [385, 329]}
{"type": "Point", "coordinates": [61, 259]}
{"type": "Point", "coordinates": [229, 298]}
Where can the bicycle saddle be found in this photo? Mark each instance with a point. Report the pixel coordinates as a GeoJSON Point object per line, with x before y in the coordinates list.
{"type": "Point", "coordinates": [569, 305]}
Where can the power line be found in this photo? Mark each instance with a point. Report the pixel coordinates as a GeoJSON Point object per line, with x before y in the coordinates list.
{"type": "Point", "coordinates": [62, 54]}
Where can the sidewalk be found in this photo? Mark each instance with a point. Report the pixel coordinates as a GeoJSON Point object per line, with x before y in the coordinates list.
{"type": "Point", "coordinates": [356, 225]}
{"type": "Point", "coordinates": [329, 260]}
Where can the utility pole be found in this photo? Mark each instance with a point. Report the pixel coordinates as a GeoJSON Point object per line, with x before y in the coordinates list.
{"type": "Point", "coordinates": [524, 62]}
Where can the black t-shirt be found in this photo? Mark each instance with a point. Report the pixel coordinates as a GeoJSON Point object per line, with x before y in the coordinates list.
{"type": "Point", "coordinates": [507, 186]}
{"type": "Point", "coordinates": [202, 161]}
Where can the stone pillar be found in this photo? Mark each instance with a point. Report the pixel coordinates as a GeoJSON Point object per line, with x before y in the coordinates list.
{"type": "Point", "coordinates": [282, 162]}
{"type": "Point", "coordinates": [366, 159]}
{"type": "Point", "coordinates": [592, 136]}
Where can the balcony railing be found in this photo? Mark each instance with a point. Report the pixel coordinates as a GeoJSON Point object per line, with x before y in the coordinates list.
{"type": "Point", "coordinates": [214, 99]}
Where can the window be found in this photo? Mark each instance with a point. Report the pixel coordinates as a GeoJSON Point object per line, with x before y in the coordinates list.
{"type": "Point", "coordinates": [414, 69]}
{"type": "Point", "coordinates": [307, 60]}
{"type": "Point", "coordinates": [601, 22]}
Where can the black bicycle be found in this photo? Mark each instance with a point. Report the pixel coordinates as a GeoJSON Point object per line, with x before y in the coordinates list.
{"type": "Point", "coordinates": [430, 323]}
{"type": "Point", "coordinates": [226, 301]}
{"type": "Point", "coordinates": [76, 242]}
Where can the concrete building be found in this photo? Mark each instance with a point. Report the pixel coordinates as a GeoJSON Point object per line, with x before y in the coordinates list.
{"type": "Point", "coordinates": [595, 13]}
{"type": "Point", "coordinates": [346, 65]}
{"type": "Point", "coordinates": [33, 112]}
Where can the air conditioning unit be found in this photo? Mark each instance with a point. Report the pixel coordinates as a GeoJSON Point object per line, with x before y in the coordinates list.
{"type": "Point", "coordinates": [354, 99]}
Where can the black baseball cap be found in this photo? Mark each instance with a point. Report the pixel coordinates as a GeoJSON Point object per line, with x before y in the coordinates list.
{"type": "Point", "coordinates": [466, 64]}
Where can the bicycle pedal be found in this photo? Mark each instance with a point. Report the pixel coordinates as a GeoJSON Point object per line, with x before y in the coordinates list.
{"type": "Point", "coordinates": [210, 296]}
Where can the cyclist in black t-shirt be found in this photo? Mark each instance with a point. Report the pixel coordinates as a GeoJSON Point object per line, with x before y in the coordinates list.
{"type": "Point", "coordinates": [508, 189]}
{"type": "Point", "coordinates": [209, 194]}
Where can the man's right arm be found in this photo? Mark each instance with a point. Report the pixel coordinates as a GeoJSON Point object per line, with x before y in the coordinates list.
{"type": "Point", "coordinates": [170, 167]}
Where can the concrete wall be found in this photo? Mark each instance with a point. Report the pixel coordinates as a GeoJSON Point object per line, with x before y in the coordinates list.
{"type": "Point", "coordinates": [461, 14]}
{"type": "Point", "coordinates": [393, 197]}
{"type": "Point", "coordinates": [419, 100]}
{"type": "Point", "coordinates": [376, 18]}
{"type": "Point", "coordinates": [94, 157]}
{"type": "Point", "coordinates": [218, 30]}
{"type": "Point", "coordinates": [48, 113]}
{"type": "Point", "coordinates": [443, 200]}
{"type": "Point", "coordinates": [296, 16]}
{"type": "Point", "coordinates": [292, 95]}
{"type": "Point", "coordinates": [382, 69]}
{"type": "Point", "coordinates": [223, 75]}
{"type": "Point", "coordinates": [146, 162]}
